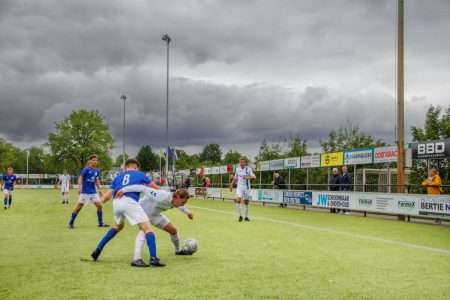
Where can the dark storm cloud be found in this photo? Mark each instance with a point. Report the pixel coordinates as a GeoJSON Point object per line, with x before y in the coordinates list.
{"type": "Point", "coordinates": [241, 70]}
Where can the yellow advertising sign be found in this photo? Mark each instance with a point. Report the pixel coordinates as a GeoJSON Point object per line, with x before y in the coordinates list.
{"type": "Point", "coordinates": [332, 159]}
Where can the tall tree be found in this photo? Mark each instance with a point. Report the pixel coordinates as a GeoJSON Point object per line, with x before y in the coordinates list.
{"type": "Point", "coordinates": [9, 156]}
{"type": "Point", "coordinates": [119, 160]}
{"type": "Point", "coordinates": [79, 135]}
{"type": "Point", "coordinates": [211, 153]}
{"type": "Point", "coordinates": [148, 159]}
{"type": "Point", "coordinates": [296, 147]}
{"type": "Point", "coordinates": [268, 152]}
{"type": "Point", "coordinates": [349, 137]}
{"type": "Point", "coordinates": [232, 157]}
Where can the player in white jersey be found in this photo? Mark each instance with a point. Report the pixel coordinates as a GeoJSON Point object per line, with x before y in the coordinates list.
{"type": "Point", "coordinates": [154, 202]}
{"type": "Point", "coordinates": [64, 181]}
{"type": "Point", "coordinates": [242, 177]}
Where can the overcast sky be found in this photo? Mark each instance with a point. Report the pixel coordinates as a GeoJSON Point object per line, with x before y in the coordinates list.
{"type": "Point", "coordinates": [241, 71]}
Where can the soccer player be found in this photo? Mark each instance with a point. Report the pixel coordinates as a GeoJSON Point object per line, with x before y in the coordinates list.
{"type": "Point", "coordinates": [154, 202]}
{"type": "Point", "coordinates": [64, 181]}
{"type": "Point", "coordinates": [128, 206]}
{"type": "Point", "coordinates": [242, 177]}
{"type": "Point", "coordinates": [8, 184]}
{"type": "Point", "coordinates": [89, 182]}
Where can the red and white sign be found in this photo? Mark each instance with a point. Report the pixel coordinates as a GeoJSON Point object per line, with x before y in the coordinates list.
{"type": "Point", "coordinates": [385, 154]}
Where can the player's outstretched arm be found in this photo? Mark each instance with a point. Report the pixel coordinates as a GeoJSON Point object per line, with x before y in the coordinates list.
{"type": "Point", "coordinates": [106, 196]}
{"type": "Point", "coordinates": [187, 212]}
{"type": "Point", "coordinates": [154, 185]}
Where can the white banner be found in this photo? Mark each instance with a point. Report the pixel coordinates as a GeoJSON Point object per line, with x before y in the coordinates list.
{"type": "Point", "coordinates": [385, 154]}
{"type": "Point", "coordinates": [207, 171]}
{"type": "Point", "coordinates": [264, 165]}
{"type": "Point", "coordinates": [292, 163]}
{"type": "Point", "coordinates": [435, 206]}
{"type": "Point", "coordinates": [358, 157]}
{"type": "Point", "coordinates": [223, 170]}
{"type": "Point", "coordinates": [277, 164]}
{"type": "Point", "coordinates": [267, 195]}
{"type": "Point", "coordinates": [310, 161]}
{"type": "Point", "coordinates": [213, 192]}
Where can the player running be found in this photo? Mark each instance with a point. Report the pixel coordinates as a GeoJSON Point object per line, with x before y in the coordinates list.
{"type": "Point", "coordinates": [154, 202]}
{"type": "Point", "coordinates": [89, 182]}
{"type": "Point", "coordinates": [242, 177]}
{"type": "Point", "coordinates": [64, 181]}
{"type": "Point", "coordinates": [8, 185]}
{"type": "Point", "coordinates": [128, 206]}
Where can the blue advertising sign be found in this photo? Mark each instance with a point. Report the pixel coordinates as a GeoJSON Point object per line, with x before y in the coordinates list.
{"type": "Point", "coordinates": [297, 197]}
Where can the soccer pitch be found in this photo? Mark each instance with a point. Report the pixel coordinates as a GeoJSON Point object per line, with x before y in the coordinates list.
{"type": "Point", "coordinates": [281, 254]}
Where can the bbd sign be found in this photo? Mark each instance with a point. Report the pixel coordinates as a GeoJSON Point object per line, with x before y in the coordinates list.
{"type": "Point", "coordinates": [437, 149]}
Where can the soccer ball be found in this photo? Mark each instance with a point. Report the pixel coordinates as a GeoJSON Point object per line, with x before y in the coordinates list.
{"type": "Point", "coordinates": [191, 245]}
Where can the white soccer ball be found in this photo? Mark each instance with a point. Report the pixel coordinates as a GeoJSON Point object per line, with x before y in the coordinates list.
{"type": "Point", "coordinates": [191, 245]}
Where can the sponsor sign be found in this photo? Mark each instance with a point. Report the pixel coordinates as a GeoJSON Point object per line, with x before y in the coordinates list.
{"type": "Point", "coordinates": [385, 154]}
{"type": "Point", "coordinates": [297, 197]}
{"type": "Point", "coordinates": [336, 200]}
{"type": "Point", "coordinates": [213, 193]}
{"type": "Point", "coordinates": [223, 170]}
{"type": "Point", "coordinates": [385, 203]}
{"type": "Point", "coordinates": [215, 170]}
{"type": "Point", "coordinates": [277, 164]}
{"type": "Point", "coordinates": [266, 195]}
{"type": "Point", "coordinates": [310, 161]}
{"type": "Point", "coordinates": [332, 159]}
{"type": "Point", "coordinates": [358, 157]}
{"type": "Point", "coordinates": [437, 149]}
{"type": "Point", "coordinates": [435, 206]}
{"type": "Point", "coordinates": [264, 165]}
{"type": "Point", "coordinates": [292, 163]}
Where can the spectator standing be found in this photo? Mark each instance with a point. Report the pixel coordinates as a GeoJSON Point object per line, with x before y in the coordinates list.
{"type": "Point", "coordinates": [278, 181]}
{"type": "Point", "coordinates": [333, 184]}
{"type": "Point", "coordinates": [434, 185]}
{"type": "Point", "coordinates": [346, 182]}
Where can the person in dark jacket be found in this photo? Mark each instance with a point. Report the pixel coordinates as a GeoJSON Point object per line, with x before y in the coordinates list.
{"type": "Point", "coordinates": [334, 183]}
{"type": "Point", "coordinates": [278, 181]}
{"type": "Point", "coordinates": [346, 182]}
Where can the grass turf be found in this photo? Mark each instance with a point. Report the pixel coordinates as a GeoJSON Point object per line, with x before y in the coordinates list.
{"type": "Point", "coordinates": [263, 259]}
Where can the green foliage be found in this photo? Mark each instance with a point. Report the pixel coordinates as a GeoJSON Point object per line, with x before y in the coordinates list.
{"type": "Point", "coordinates": [8, 155]}
{"type": "Point", "coordinates": [119, 160]}
{"type": "Point", "coordinates": [268, 152]}
{"type": "Point", "coordinates": [436, 126]}
{"type": "Point", "coordinates": [148, 159]}
{"type": "Point", "coordinates": [349, 137]}
{"type": "Point", "coordinates": [232, 157]}
{"type": "Point", "coordinates": [78, 136]}
{"type": "Point", "coordinates": [211, 153]}
{"type": "Point", "coordinates": [186, 161]}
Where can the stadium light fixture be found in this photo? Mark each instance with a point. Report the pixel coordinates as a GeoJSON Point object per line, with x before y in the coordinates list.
{"type": "Point", "coordinates": [166, 38]}
{"type": "Point", "coordinates": [124, 98]}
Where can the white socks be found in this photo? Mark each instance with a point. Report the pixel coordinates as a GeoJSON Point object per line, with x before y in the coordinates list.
{"type": "Point", "coordinates": [175, 241]}
{"type": "Point", "coordinates": [238, 209]}
{"type": "Point", "coordinates": [140, 241]}
{"type": "Point", "coordinates": [245, 211]}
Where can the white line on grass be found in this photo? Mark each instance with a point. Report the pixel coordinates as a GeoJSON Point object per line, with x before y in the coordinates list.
{"type": "Point", "coordinates": [333, 231]}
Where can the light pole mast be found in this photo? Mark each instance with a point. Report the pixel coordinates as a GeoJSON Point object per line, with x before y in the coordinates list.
{"type": "Point", "coordinates": [400, 99]}
{"type": "Point", "coordinates": [166, 38]}
{"type": "Point", "coordinates": [124, 98]}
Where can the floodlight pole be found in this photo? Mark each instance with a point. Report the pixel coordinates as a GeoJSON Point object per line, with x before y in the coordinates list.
{"type": "Point", "coordinates": [124, 98]}
{"type": "Point", "coordinates": [400, 99]}
{"type": "Point", "coordinates": [28, 164]}
{"type": "Point", "coordinates": [166, 38]}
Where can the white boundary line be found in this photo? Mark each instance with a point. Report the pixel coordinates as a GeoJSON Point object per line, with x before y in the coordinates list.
{"type": "Point", "coordinates": [333, 231]}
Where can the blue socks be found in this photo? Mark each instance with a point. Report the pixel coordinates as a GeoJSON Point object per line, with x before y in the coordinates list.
{"type": "Point", "coordinates": [151, 243]}
{"type": "Point", "coordinates": [72, 218]}
{"type": "Point", "coordinates": [10, 201]}
{"type": "Point", "coordinates": [5, 202]}
{"type": "Point", "coordinates": [108, 236]}
{"type": "Point", "coordinates": [100, 217]}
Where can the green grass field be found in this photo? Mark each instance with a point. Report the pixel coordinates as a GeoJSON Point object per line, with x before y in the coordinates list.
{"type": "Point", "coordinates": [281, 254]}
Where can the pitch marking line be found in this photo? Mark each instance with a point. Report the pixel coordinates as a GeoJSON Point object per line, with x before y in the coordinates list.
{"type": "Point", "coordinates": [333, 231]}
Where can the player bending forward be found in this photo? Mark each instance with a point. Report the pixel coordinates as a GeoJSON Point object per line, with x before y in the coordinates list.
{"type": "Point", "coordinates": [8, 184]}
{"type": "Point", "coordinates": [127, 206]}
{"type": "Point", "coordinates": [64, 181]}
{"type": "Point", "coordinates": [154, 202]}
{"type": "Point", "coordinates": [243, 176]}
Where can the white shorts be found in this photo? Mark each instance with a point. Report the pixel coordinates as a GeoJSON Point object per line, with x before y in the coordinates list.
{"type": "Point", "coordinates": [7, 192]}
{"type": "Point", "coordinates": [88, 198]}
{"type": "Point", "coordinates": [64, 189]}
{"type": "Point", "coordinates": [160, 221]}
{"type": "Point", "coordinates": [244, 194]}
{"type": "Point", "coordinates": [127, 207]}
